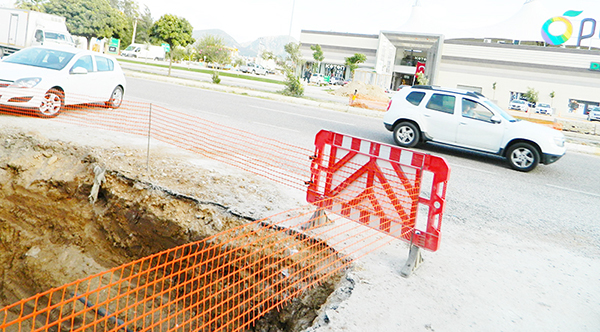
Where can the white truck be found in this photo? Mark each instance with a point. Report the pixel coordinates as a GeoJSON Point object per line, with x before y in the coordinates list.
{"type": "Point", "coordinates": [23, 28]}
{"type": "Point", "coordinates": [144, 51]}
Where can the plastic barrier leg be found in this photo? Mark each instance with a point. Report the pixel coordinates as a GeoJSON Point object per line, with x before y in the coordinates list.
{"type": "Point", "coordinates": [413, 262]}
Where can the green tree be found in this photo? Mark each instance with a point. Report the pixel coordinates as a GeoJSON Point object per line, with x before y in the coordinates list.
{"type": "Point", "coordinates": [144, 25]}
{"type": "Point", "coordinates": [531, 95]}
{"type": "Point", "coordinates": [173, 30]}
{"type": "Point", "coordinates": [294, 56]}
{"type": "Point", "coordinates": [317, 55]}
{"type": "Point", "coordinates": [268, 55]}
{"type": "Point", "coordinates": [213, 49]}
{"type": "Point", "coordinates": [353, 61]}
{"type": "Point", "coordinates": [36, 5]}
{"type": "Point", "coordinates": [293, 86]}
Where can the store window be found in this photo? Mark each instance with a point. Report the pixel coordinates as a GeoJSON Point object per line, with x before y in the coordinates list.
{"type": "Point", "coordinates": [582, 107]}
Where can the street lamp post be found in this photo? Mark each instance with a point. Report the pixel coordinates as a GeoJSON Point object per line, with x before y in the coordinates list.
{"type": "Point", "coordinates": [292, 19]}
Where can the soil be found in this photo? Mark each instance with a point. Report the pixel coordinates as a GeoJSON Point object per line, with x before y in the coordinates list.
{"type": "Point", "coordinates": [58, 226]}
{"type": "Point", "coordinates": [365, 91]}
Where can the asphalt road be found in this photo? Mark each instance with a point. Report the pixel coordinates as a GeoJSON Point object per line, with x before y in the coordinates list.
{"type": "Point", "coordinates": [558, 201]}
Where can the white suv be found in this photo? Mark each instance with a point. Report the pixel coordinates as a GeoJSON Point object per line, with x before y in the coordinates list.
{"type": "Point", "coordinates": [469, 120]}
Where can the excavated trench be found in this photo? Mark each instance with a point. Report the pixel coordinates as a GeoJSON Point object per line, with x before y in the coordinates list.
{"type": "Point", "coordinates": [51, 234]}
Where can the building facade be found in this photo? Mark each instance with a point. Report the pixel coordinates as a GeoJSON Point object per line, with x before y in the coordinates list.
{"type": "Point", "coordinates": [566, 78]}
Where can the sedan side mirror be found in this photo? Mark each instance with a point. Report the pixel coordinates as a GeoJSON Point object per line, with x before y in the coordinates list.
{"type": "Point", "coordinates": [495, 119]}
{"type": "Point", "coordinates": [79, 71]}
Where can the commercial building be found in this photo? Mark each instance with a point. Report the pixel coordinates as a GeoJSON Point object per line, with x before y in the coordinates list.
{"type": "Point", "coordinates": [502, 62]}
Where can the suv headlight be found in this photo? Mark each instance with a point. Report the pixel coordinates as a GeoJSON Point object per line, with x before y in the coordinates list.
{"type": "Point", "coordinates": [559, 141]}
{"type": "Point", "coordinates": [28, 82]}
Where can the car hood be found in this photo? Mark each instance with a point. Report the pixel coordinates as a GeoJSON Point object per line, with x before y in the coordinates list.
{"type": "Point", "coordinates": [534, 129]}
{"type": "Point", "coordinates": [13, 71]}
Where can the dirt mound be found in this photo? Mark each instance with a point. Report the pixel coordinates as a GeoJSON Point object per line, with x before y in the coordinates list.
{"type": "Point", "coordinates": [365, 91]}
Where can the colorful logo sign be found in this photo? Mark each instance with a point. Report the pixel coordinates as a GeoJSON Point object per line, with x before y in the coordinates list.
{"type": "Point", "coordinates": [568, 31]}
{"type": "Point", "coordinates": [595, 66]}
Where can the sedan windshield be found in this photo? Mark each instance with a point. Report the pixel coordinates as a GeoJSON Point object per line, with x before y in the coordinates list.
{"type": "Point", "coordinates": [41, 57]}
{"type": "Point", "coordinates": [500, 111]}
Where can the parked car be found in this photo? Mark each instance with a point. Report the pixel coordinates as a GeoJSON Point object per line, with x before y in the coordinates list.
{"type": "Point", "coordinates": [46, 78]}
{"type": "Point", "coordinates": [594, 114]}
{"type": "Point", "coordinates": [317, 79]}
{"type": "Point", "coordinates": [519, 105]}
{"type": "Point", "coordinates": [335, 80]}
{"type": "Point", "coordinates": [469, 120]}
{"type": "Point", "coordinates": [543, 108]}
{"type": "Point", "coordinates": [253, 68]}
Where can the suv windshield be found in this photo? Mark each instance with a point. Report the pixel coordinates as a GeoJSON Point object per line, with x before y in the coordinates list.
{"type": "Point", "coordinates": [500, 111]}
{"type": "Point", "coordinates": [41, 57]}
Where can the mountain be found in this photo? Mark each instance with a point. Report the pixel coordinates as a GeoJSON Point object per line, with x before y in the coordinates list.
{"type": "Point", "coordinates": [274, 44]}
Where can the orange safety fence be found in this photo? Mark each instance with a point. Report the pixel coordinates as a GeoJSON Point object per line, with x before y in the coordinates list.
{"type": "Point", "coordinates": [225, 282]}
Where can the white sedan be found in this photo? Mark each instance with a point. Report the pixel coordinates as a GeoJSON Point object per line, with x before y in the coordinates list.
{"type": "Point", "coordinates": [48, 78]}
{"type": "Point", "coordinates": [543, 108]}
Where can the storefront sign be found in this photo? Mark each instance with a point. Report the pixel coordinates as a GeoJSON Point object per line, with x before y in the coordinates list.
{"type": "Point", "coordinates": [588, 24]}
{"type": "Point", "coordinates": [595, 66]}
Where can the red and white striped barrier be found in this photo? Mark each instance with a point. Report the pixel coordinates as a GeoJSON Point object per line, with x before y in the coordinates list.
{"type": "Point", "coordinates": [394, 190]}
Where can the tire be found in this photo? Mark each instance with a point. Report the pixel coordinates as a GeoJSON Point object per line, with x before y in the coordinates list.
{"type": "Point", "coordinates": [523, 157]}
{"type": "Point", "coordinates": [52, 103]}
{"type": "Point", "coordinates": [406, 135]}
{"type": "Point", "coordinates": [116, 98]}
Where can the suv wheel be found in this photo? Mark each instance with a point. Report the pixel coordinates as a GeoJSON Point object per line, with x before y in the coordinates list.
{"type": "Point", "coordinates": [523, 157]}
{"type": "Point", "coordinates": [406, 135]}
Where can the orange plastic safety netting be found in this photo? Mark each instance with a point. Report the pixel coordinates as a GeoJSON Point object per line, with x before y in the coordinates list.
{"type": "Point", "coordinates": [228, 281]}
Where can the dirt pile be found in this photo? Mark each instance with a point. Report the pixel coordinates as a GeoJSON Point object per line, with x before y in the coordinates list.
{"type": "Point", "coordinates": [365, 91]}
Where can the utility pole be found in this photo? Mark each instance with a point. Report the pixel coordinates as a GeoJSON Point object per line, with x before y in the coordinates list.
{"type": "Point", "coordinates": [292, 19]}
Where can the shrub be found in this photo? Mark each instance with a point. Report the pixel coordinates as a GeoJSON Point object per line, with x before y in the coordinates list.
{"type": "Point", "coordinates": [293, 87]}
{"type": "Point", "coordinates": [215, 77]}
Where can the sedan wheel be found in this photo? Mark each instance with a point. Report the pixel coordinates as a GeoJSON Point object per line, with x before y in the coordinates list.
{"type": "Point", "coordinates": [116, 98]}
{"type": "Point", "coordinates": [406, 135]}
{"type": "Point", "coordinates": [523, 157]}
{"type": "Point", "coordinates": [52, 104]}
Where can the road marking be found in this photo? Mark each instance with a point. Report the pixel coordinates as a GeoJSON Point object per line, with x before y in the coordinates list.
{"type": "Point", "coordinates": [305, 116]}
{"type": "Point", "coordinates": [272, 126]}
{"type": "Point", "coordinates": [574, 190]}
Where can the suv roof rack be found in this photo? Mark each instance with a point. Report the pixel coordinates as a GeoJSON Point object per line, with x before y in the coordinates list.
{"type": "Point", "coordinates": [473, 94]}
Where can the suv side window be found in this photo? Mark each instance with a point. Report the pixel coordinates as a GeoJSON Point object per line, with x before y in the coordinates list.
{"type": "Point", "coordinates": [442, 103]}
{"type": "Point", "coordinates": [474, 110]}
{"type": "Point", "coordinates": [415, 98]}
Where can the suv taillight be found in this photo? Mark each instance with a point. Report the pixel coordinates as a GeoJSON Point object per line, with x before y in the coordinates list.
{"type": "Point", "coordinates": [389, 104]}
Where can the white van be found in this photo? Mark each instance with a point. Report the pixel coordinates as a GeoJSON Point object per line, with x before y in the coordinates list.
{"type": "Point", "coordinates": [144, 52]}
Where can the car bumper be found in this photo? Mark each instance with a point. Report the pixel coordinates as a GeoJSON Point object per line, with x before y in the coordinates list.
{"type": "Point", "coordinates": [548, 159]}
{"type": "Point", "coordinates": [388, 126]}
{"type": "Point", "coordinates": [20, 98]}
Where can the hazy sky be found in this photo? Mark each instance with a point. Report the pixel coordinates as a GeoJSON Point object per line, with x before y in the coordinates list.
{"type": "Point", "coordinates": [247, 20]}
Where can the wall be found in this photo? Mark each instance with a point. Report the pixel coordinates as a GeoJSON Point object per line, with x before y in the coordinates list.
{"type": "Point", "coordinates": [516, 68]}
